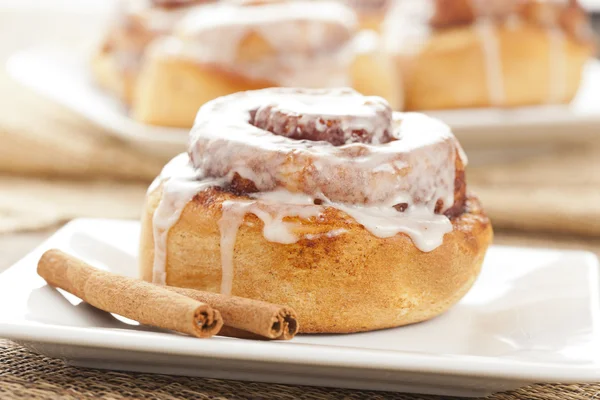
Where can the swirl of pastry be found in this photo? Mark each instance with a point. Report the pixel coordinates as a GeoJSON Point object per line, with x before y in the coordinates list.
{"type": "Point", "coordinates": [299, 120]}
{"type": "Point", "coordinates": [309, 197]}
{"type": "Point", "coordinates": [336, 145]}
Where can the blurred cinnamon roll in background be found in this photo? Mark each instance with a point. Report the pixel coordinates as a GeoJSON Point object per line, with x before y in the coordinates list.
{"type": "Point", "coordinates": [116, 64]}
{"type": "Point", "coordinates": [480, 53]}
{"type": "Point", "coordinates": [170, 57]}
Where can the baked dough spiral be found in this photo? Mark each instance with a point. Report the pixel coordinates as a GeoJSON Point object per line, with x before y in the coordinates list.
{"type": "Point", "coordinates": [166, 59]}
{"type": "Point", "coordinates": [482, 53]}
{"type": "Point", "coordinates": [324, 200]}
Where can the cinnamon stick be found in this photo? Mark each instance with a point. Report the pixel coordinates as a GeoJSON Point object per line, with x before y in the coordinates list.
{"type": "Point", "coordinates": [132, 298]}
{"type": "Point", "coordinates": [257, 317]}
{"type": "Point", "coordinates": [190, 311]}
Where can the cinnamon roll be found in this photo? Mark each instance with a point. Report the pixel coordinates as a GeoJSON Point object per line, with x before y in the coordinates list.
{"type": "Point", "coordinates": [168, 57]}
{"type": "Point", "coordinates": [118, 60]}
{"type": "Point", "coordinates": [229, 47]}
{"type": "Point", "coordinates": [325, 200]}
{"type": "Point", "coordinates": [481, 53]}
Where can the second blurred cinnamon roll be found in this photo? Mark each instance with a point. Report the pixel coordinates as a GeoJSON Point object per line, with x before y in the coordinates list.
{"type": "Point", "coordinates": [481, 53]}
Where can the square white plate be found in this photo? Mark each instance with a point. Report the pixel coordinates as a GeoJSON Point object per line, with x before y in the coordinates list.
{"type": "Point", "coordinates": [531, 317]}
{"type": "Point", "coordinates": [64, 77]}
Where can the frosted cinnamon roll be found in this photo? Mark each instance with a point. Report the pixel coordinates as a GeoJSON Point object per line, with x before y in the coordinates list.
{"type": "Point", "coordinates": [118, 60]}
{"type": "Point", "coordinates": [325, 200]}
{"type": "Point", "coordinates": [244, 45]}
{"type": "Point", "coordinates": [480, 53]}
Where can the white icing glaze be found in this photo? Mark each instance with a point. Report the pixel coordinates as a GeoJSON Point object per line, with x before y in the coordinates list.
{"type": "Point", "coordinates": [416, 170]}
{"type": "Point", "coordinates": [492, 57]}
{"type": "Point", "coordinates": [420, 223]}
{"type": "Point", "coordinates": [354, 173]}
{"type": "Point", "coordinates": [311, 42]}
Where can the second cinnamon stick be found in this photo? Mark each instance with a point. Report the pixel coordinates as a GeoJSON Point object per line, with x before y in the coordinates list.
{"type": "Point", "coordinates": [267, 320]}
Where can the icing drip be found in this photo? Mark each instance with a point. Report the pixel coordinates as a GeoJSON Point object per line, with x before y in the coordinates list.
{"type": "Point", "coordinates": [272, 213]}
{"type": "Point", "coordinates": [425, 228]}
{"type": "Point", "coordinates": [420, 223]}
{"type": "Point", "coordinates": [557, 65]}
{"type": "Point", "coordinates": [491, 53]}
{"type": "Point", "coordinates": [229, 224]}
{"type": "Point", "coordinates": [180, 183]}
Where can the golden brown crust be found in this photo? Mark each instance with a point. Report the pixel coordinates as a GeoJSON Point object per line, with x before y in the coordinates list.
{"type": "Point", "coordinates": [450, 70]}
{"type": "Point", "coordinates": [346, 283]}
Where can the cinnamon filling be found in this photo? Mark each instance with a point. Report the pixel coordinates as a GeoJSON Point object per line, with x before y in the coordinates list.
{"type": "Point", "coordinates": [334, 128]}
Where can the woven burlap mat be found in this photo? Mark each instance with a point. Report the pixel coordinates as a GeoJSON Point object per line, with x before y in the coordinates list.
{"type": "Point", "coordinates": [24, 374]}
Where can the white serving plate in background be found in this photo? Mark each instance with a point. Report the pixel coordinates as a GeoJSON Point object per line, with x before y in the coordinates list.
{"type": "Point", "coordinates": [531, 317]}
{"type": "Point", "coordinates": [64, 77]}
